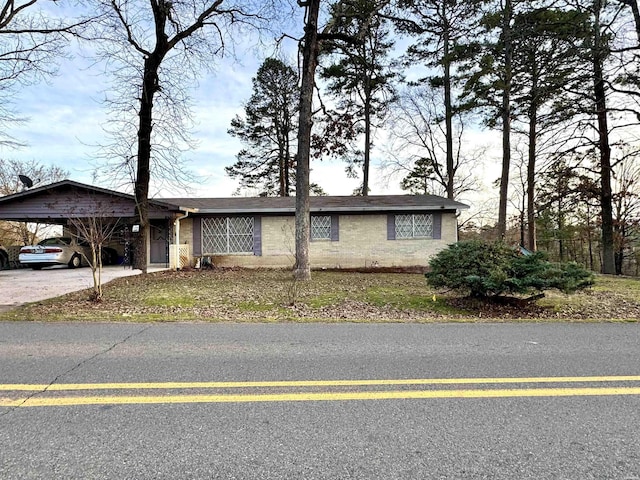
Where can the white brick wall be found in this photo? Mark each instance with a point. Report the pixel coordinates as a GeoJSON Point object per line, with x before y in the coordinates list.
{"type": "Point", "coordinates": [362, 243]}
{"type": "Point", "coordinates": [186, 231]}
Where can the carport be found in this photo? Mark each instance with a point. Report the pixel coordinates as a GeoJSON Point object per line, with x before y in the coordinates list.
{"type": "Point", "coordinates": [59, 203]}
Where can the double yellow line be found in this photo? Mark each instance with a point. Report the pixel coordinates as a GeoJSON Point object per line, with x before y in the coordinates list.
{"type": "Point", "coordinates": [39, 394]}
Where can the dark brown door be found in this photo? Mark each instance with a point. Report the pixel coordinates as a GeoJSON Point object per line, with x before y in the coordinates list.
{"type": "Point", "coordinates": [159, 245]}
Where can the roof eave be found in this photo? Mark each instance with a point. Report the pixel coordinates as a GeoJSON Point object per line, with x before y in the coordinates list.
{"type": "Point", "coordinates": [414, 208]}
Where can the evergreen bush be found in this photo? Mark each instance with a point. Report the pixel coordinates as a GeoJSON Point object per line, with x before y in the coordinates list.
{"type": "Point", "coordinates": [484, 269]}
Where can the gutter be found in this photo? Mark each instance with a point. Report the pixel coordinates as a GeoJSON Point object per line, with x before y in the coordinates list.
{"type": "Point", "coordinates": [176, 229]}
{"type": "Point", "coordinates": [411, 208]}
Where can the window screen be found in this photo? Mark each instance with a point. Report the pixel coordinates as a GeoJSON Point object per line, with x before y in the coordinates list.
{"type": "Point", "coordinates": [227, 235]}
{"type": "Point", "coordinates": [321, 227]}
{"type": "Point", "coordinates": [414, 226]}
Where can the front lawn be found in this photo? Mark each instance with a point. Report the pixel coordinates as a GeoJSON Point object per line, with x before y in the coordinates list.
{"type": "Point", "coordinates": [241, 295]}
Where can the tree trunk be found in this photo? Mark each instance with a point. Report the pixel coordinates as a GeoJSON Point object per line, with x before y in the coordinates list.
{"type": "Point", "coordinates": [633, 4]}
{"type": "Point", "coordinates": [560, 229]}
{"type": "Point", "coordinates": [302, 268]}
{"type": "Point", "coordinates": [608, 261]}
{"type": "Point", "coordinates": [287, 159]}
{"type": "Point", "coordinates": [531, 173]}
{"type": "Point", "coordinates": [619, 258]}
{"type": "Point", "coordinates": [282, 167]}
{"type": "Point", "coordinates": [621, 234]}
{"type": "Point", "coordinates": [143, 172]}
{"type": "Point", "coordinates": [448, 107]}
{"type": "Point", "coordinates": [522, 222]}
{"type": "Point", "coordinates": [367, 144]}
{"type": "Point", "coordinates": [506, 121]}
{"type": "Point", "coordinates": [531, 192]}
{"type": "Point", "coordinates": [589, 238]}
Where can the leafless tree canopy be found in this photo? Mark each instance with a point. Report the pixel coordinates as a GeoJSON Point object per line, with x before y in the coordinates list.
{"type": "Point", "coordinates": [97, 230]}
{"type": "Point", "coordinates": [154, 52]}
{"type": "Point", "coordinates": [185, 38]}
{"type": "Point", "coordinates": [418, 135]}
{"type": "Point", "coordinates": [33, 36]}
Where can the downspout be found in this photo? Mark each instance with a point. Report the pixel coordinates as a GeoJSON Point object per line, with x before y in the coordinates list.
{"type": "Point", "coordinates": [176, 229]}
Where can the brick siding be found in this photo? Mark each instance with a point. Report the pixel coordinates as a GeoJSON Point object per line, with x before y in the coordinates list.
{"type": "Point", "coordinates": [362, 243]}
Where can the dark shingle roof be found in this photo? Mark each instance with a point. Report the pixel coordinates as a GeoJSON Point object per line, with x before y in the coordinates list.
{"type": "Point", "coordinates": [372, 203]}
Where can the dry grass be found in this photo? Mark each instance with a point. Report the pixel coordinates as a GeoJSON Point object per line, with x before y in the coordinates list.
{"type": "Point", "coordinates": [273, 296]}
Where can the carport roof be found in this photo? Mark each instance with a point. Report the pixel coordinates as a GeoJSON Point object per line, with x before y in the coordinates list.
{"type": "Point", "coordinates": [63, 184]}
{"type": "Point", "coordinates": [56, 202]}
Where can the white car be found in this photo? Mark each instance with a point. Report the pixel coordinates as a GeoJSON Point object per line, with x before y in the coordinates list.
{"type": "Point", "coordinates": [55, 251]}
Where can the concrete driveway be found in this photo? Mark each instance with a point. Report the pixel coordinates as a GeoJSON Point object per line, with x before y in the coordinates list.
{"type": "Point", "coordinates": [25, 285]}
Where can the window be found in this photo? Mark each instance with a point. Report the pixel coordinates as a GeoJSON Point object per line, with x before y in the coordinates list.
{"type": "Point", "coordinates": [414, 226]}
{"type": "Point", "coordinates": [227, 235]}
{"type": "Point", "coordinates": [321, 227]}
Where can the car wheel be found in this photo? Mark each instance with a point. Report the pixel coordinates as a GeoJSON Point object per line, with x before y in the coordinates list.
{"type": "Point", "coordinates": [4, 261]}
{"type": "Point", "coordinates": [75, 261]}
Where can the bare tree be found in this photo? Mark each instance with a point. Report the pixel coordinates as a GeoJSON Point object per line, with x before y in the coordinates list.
{"type": "Point", "coordinates": [154, 51]}
{"type": "Point", "coordinates": [96, 230]}
{"type": "Point", "coordinates": [635, 11]}
{"type": "Point", "coordinates": [425, 145]}
{"type": "Point", "coordinates": [442, 35]}
{"type": "Point", "coordinates": [626, 208]}
{"type": "Point", "coordinates": [33, 34]}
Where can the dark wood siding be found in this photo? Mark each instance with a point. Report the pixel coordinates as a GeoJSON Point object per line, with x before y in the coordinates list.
{"type": "Point", "coordinates": [69, 204]}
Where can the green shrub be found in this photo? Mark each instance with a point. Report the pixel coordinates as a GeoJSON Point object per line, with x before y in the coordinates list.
{"type": "Point", "coordinates": [484, 269]}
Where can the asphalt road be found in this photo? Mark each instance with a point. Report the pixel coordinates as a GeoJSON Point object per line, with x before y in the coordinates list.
{"type": "Point", "coordinates": [509, 401]}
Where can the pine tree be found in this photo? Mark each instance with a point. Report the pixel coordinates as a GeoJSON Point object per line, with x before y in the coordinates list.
{"type": "Point", "coordinates": [545, 59]}
{"type": "Point", "coordinates": [268, 131]}
{"type": "Point", "coordinates": [359, 79]}
{"type": "Point", "coordinates": [444, 35]}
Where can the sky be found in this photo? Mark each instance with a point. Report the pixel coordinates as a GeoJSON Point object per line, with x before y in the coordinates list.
{"type": "Point", "coordinates": [66, 122]}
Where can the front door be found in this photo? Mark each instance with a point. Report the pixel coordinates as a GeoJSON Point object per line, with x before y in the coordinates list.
{"type": "Point", "coordinates": [159, 245]}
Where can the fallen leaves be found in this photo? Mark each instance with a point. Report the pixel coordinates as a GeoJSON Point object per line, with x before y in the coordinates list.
{"type": "Point", "coordinates": [241, 295]}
